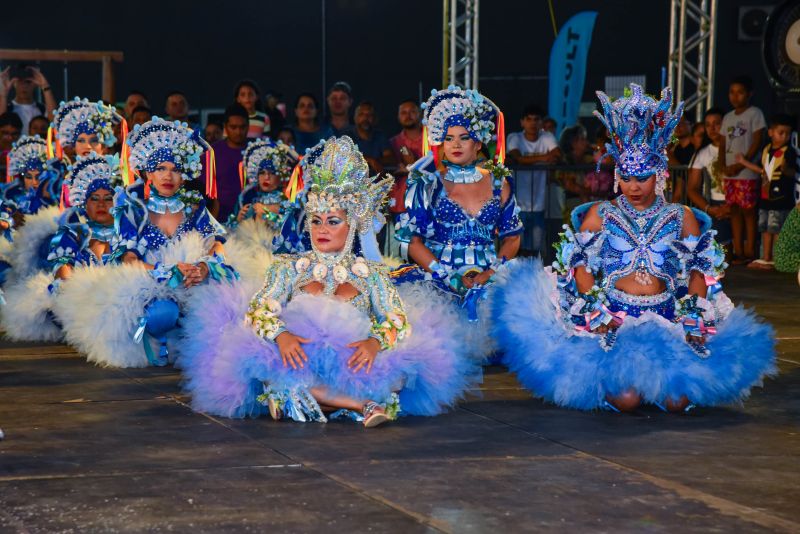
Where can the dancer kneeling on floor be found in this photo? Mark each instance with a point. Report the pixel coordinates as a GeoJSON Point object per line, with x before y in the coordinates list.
{"type": "Point", "coordinates": [634, 311]}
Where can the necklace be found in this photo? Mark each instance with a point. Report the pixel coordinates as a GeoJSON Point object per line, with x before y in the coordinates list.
{"type": "Point", "coordinates": [160, 204]}
{"type": "Point", "coordinates": [101, 232]}
{"type": "Point", "coordinates": [467, 174]}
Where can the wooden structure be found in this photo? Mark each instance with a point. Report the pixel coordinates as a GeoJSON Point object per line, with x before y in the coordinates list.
{"type": "Point", "coordinates": [105, 57]}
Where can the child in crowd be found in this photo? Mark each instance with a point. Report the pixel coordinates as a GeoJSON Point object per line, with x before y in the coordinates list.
{"type": "Point", "coordinates": [248, 95]}
{"type": "Point", "coordinates": [532, 146]}
{"type": "Point", "coordinates": [742, 133]}
{"type": "Point", "coordinates": [777, 171]}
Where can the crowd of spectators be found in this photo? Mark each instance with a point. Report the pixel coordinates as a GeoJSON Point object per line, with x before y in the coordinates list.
{"type": "Point", "coordinates": [747, 198]}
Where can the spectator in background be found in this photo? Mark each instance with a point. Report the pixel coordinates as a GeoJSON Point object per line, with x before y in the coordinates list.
{"type": "Point", "coordinates": [576, 151]}
{"type": "Point", "coordinates": [286, 135]}
{"type": "Point", "coordinates": [276, 111]}
{"type": "Point", "coordinates": [228, 154]}
{"type": "Point", "coordinates": [705, 188]}
{"type": "Point", "coordinates": [140, 115]}
{"type": "Point", "coordinates": [213, 131]}
{"type": "Point", "coordinates": [372, 143]}
{"type": "Point", "coordinates": [135, 99]}
{"type": "Point", "coordinates": [248, 95]}
{"type": "Point", "coordinates": [549, 125]}
{"type": "Point", "coordinates": [24, 82]}
{"type": "Point", "coordinates": [742, 133]}
{"type": "Point", "coordinates": [10, 130]}
{"type": "Point", "coordinates": [340, 99]}
{"type": "Point", "coordinates": [532, 146]}
{"type": "Point", "coordinates": [307, 131]}
{"type": "Point", "coordinates": [698, 136]}
{"type": "Point", "coordinates": [682, 150]}
{"type": "Point", "coordinates": [600, 182]}
{"type": "Point", "coordinates": [177, 109]}
{"type": "Point", "coordinates": [38, 126]}
{"type": "Point", "coordinates": [407, 148]}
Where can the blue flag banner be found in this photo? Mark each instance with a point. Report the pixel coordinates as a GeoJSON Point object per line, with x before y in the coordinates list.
{"type": "Point", "coordinates": [568, 68]}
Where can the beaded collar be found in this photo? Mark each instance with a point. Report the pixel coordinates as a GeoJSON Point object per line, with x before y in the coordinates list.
{"type": "Point", "coordinates": [467, 174]}
{"type": "Point", "coordinates": [160, 204]}
{"type": "Point", "coordinates": [640, 217]}
{"type": "Point", "coordinates": [101, 232]}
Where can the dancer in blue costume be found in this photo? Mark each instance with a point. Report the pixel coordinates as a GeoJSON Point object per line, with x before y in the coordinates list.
{"type": "Point", "coordinates": [327, 327]}
{"type": "Point", "coordinates": [80, 127]}
{"type": "Point", "coordinates": [456, 207]}
{"type": "Point", "coordinates": [632, 310]}
{"type": "Point", "coordinates": [84, 238]}
{"type": "Point", "coordinates": [255, 221]}
{"type": "Point", "coordinates": [29, 172]}
{"type": "Point", "coordinates": [168, 244]}
{"type": "Point", "coordinates": [266, 166]}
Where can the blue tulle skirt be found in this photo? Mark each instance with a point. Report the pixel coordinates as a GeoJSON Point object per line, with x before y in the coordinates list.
{"type": "Point", "coordinates": [225, 364]}
{"type": "Point", "coordinates": [650, 355]}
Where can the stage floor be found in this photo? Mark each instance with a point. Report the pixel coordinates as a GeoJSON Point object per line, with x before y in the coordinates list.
{"type": "Point", "coordinates": [89, 449]}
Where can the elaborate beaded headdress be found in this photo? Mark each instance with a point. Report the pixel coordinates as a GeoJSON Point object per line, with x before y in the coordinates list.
{"type": "Point", "coordinates": [158, 140]}
{"type": "Point", "coordinates": [77, 116]}
{"type": "Point", "coordinates": [337, 177]}
{"type": "Point", "coordinates": [640, 129]}
{"type": "Point", "coordinates": [263, 154]}
{"type": "Point", "coordinates": [27, 154]}
{"type": "Point", "coordinates": [91, 173]}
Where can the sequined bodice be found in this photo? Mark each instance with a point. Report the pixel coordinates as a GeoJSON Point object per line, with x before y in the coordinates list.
{"type": "Point", "coordinates": [640, 241]}
{"type": "Point", "coordinates": [453, 225]}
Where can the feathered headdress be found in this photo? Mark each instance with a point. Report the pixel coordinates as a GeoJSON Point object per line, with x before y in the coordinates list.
{"type": "Point", "coordinates": [27, 154]}
{"type": "Point", "coordinates": [77, 116]}
{"type": "Point", "coordinates": [640, 129]}
{"type": "Point", "coordinates": [158, 140]}
{"type": "Point", "coordinates": [263, 154]}
{"type": "Point", "coordinates": [91, 173]}
{"type": "Point", "coordinates": [468, 108]}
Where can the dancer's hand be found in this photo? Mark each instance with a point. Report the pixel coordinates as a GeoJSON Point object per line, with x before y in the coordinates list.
{"type": "Point", "coordinates": [700, 340]}
{"type": "Point", "coordinates": [242, 212]}
{"type": "Point", "coordinates": [197, 276]}
{"type": "Point", "coordinates": [291, 351]}
{"type": "Point", "coordinates": [364, 356]}
{"type": "Point", "coordinates": [605, 328]}
{"type": "Point", "coordinates": [483, 278]}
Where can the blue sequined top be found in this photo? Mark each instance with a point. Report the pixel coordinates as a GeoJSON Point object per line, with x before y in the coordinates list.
{"type": "Point", "coordinates": [640, 241]}
{"type": "Point", "coordinates": [455, 237]}
{"type": "Point", "coordinates": [140, 236]}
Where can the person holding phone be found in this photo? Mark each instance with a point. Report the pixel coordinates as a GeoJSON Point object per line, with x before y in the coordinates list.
{"type": "Point", "coordinates": [24, 80]}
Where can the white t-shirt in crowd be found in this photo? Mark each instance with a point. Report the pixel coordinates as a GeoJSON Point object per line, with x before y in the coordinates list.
{"type": "Point", "coordinates": [706, 158]}
{"type": "Point", "coordinates": [531, 186]}
{"type": "Point", "coordinates": [738, 131]}
{"type": "Point", "coordinates": [25, 112]}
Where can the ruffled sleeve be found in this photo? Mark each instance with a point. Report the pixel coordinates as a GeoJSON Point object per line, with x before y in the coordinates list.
{"type": "Point", "coordinates": [291, 237]}
{"type": "Point", "coordinates": [201, 218]}
{"type": "Point", "coordinates": [389, 321]}
{"type": "Point", "coordinates": [129, 220]}
{"type": "Point", "coordinates": [702, 254]}
{"type": "Point", "coordinates": [266, 306]}
{"type": "Point", "coordinates": [576, 249]}
{"type": "Point", "coordinates": [418, 217]}
{"type": "Point", "coordinates": [67, 245]}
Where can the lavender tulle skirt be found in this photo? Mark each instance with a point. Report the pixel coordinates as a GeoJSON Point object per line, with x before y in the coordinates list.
{"type": "Point", "coordinates": [226, 365]}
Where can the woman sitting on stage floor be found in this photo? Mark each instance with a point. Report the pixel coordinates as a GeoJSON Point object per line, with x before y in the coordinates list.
{"type": "Point", "coordinates": [634, 311]}
{"type": "Point", "coordinates": [327, 327]}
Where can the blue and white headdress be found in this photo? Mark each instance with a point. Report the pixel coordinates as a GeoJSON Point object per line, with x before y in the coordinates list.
{"type": "Point", "coordinates": [640, 129]}
{"type": "Point", "coordinates": [76, 117]}
{"type": "Point", "coordinates": [456, 107]}
{"type": "Point", "coordinates": [90, 174]}
{"type": "Point", "coordinates": [158, 140]}
{"type": "Point", "coordinates": [29, 153]}
{"type": "Point", "coordinates": [263, 154]}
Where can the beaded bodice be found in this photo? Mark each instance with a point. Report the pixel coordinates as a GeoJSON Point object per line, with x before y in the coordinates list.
{"type": "Point", "coordinates": [640, 241]}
